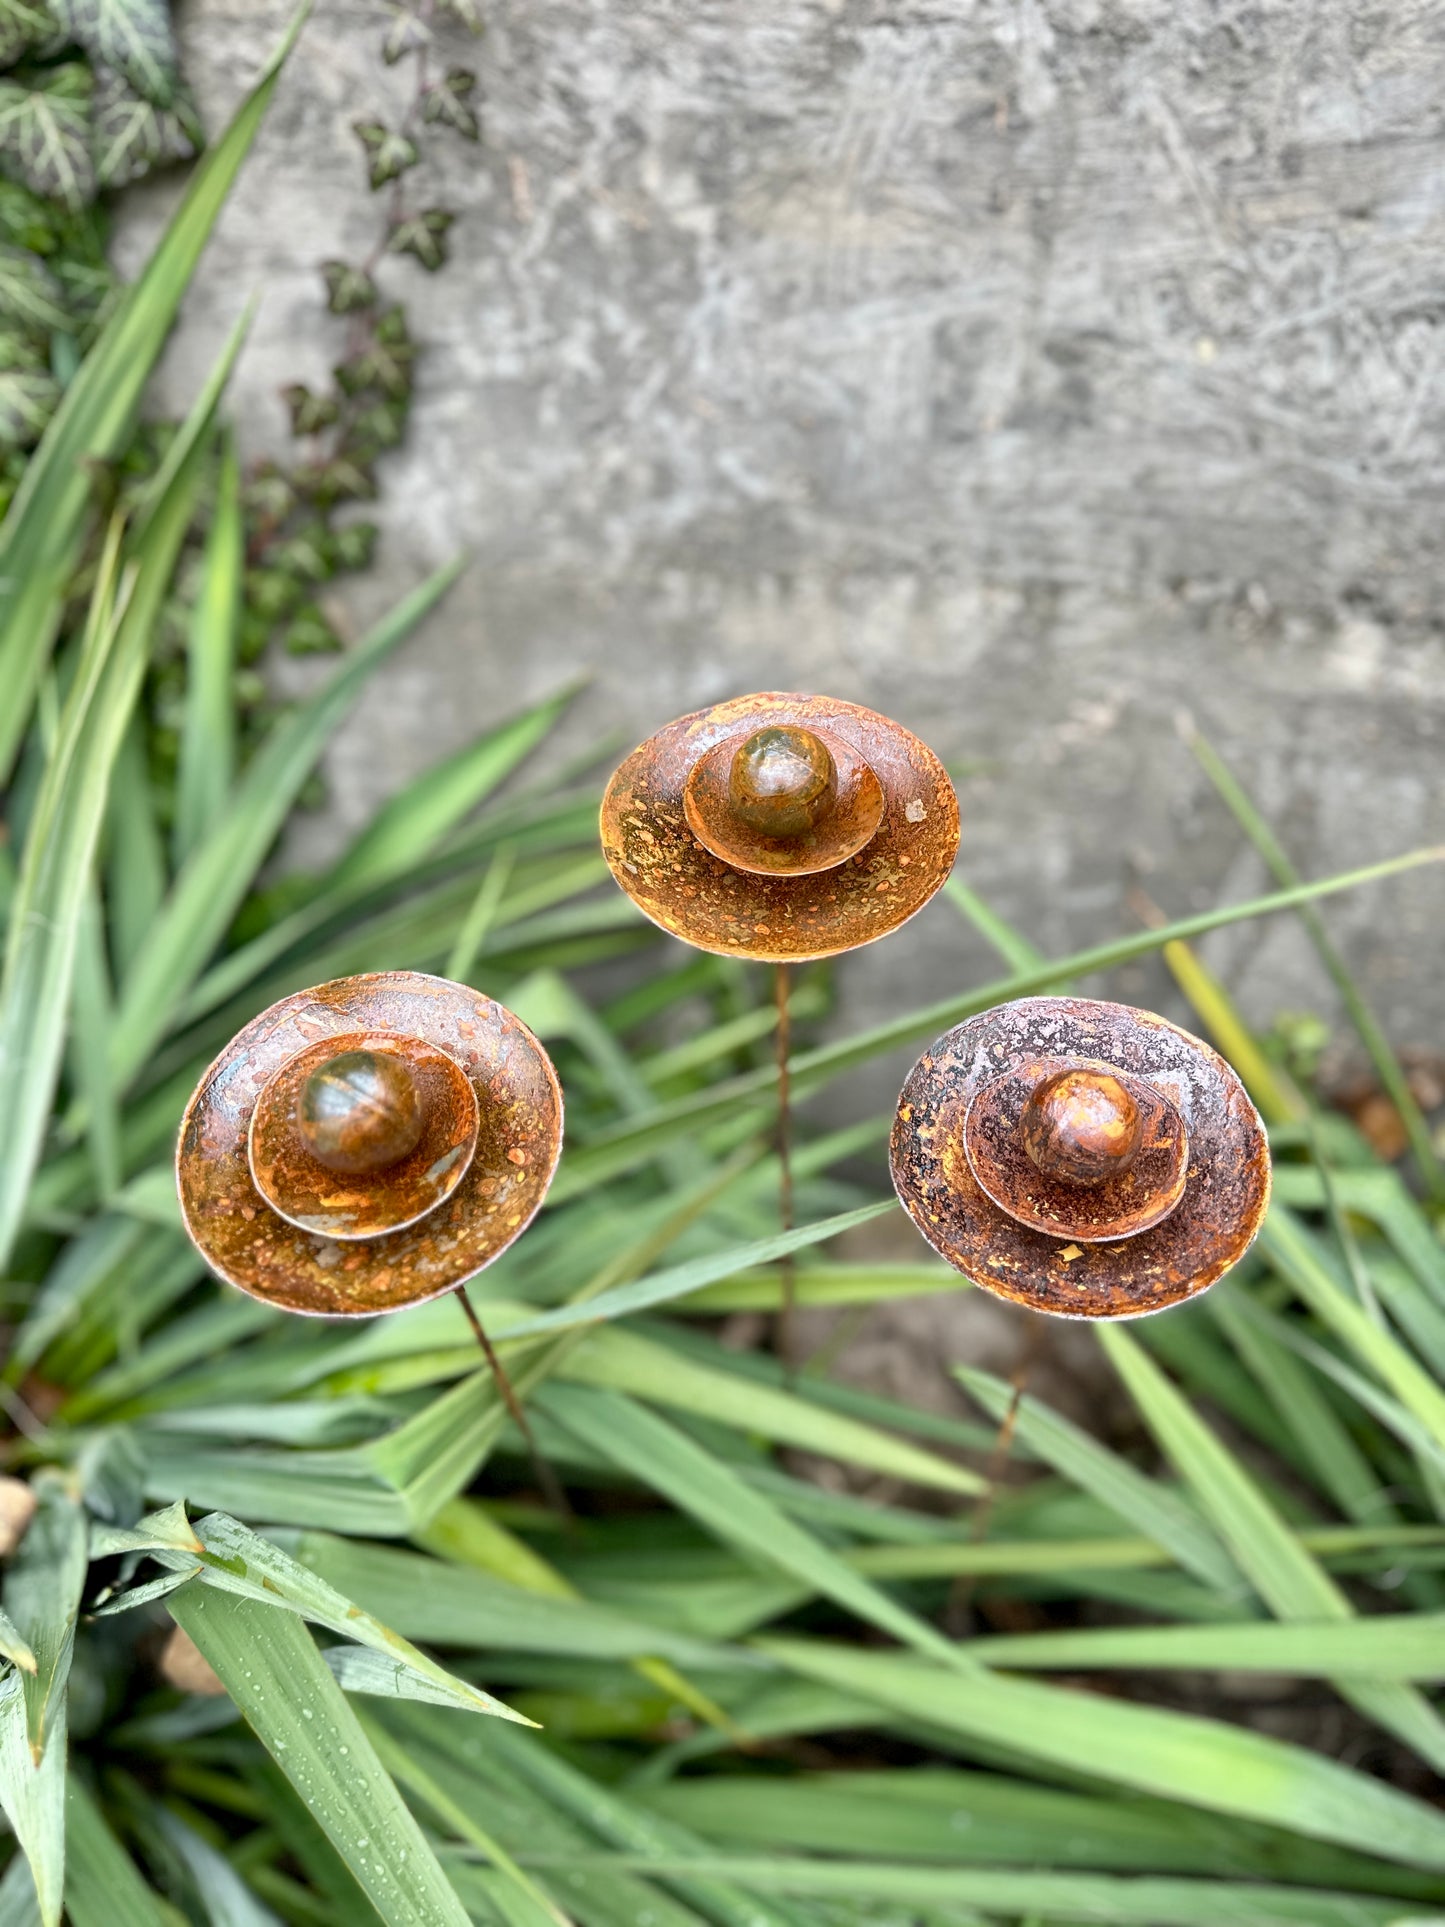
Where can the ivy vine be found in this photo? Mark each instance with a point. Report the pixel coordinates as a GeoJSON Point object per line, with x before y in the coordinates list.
{"type": "Point", "coordinates": [302, 527]}
{"type": "Point", "coordinates": [91, 99]}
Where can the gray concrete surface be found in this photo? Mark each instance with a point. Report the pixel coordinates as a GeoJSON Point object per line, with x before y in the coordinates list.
{"type": "Point", "coordinates": [1033, 370]}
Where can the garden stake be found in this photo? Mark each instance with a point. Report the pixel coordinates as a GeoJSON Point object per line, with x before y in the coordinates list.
{"type": "Point", "coordinates": [787, 1269]}
{"type": "Point", "coordinates": [368, 1145]}
{"type": "Point", "coordinates": [1084, 1159]}
{"type": "Point", "coordinates": [779, 829]}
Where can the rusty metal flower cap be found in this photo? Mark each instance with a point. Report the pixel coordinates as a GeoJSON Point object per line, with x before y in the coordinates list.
{"type": "Point", "coordinates": [368, 1144]}
{"type": "Point", "coordinates": [1082, 1158]}
{"type": "Point", "coordinates": [779, 828]}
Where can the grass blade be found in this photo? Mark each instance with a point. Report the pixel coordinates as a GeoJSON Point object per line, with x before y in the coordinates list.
{"type": "Point", "coordinates": [208, 731]}
{"type": "Point", "coordinates": [40, 539]}
{"type": "Point", "coordinates": [414, 822]}
{"type": "Point", "coordinates": [651, 1450]}
{"type": "Point", "coordinates": [633, 1141]}
{"type": "Point", "coordinates": [1223, 1769]}
{"type": "Point", "coordinates": [1290, 1582]}
{"type": "Point", "coordinates": [50, 895]}
{"type": "Point", "coordinates": [1367, 1026]}
{"type": "Point", "coordinates": [272, 1670]}
{"type": "Point", "coordinates": [220, 870]}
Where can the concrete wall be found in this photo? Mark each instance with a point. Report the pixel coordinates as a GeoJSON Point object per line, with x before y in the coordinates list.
{"type": "Point", "coordinates": [1031, 369]}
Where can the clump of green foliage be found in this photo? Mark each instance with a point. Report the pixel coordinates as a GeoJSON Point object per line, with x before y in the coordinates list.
{"type": "Point", "coordinates": [753, 1702]}
{"type": "Point", "coordinates": [91, 99]}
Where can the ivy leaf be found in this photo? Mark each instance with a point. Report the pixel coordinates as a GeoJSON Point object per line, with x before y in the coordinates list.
{"type": "Point", "coordinates": [45, 132]}
{"type": "Point", "coordinates": [29, 292]}
{"type": "Point", "coordinates": [310, 634]}
{"type": "Point", "coordinates": [268, 495]}
{"type": "Point", "coordinates": [133, 135]}
{"type": "Point", "coordinates": [309, 413]}
{"type": "Point", "coordinates": [355, 545]}
{"type": "Point", "coordinates": [406, 35]}
{"type": "Point", "coordinates": [342, 479]}
{"type": "Point", "coordinates": [271, 594]}
{"type": "Point", "coordinates": [347, 288]}
{"type": "Point", "coordinates": [467, 11]}
{"type": "Point", "coordinates": [23, 24]}
{"type": "Point", "coordinates": [423, 235]}
{"type": "Point", "coordinates": [446, 103]}
{"type": "Point", "coordinates": [307, 556]}
{"type": "Point", "coordinates": [378, 427]}
{"type": "Point", "coordinates": [28, 398]}
{"type": "Point", "coordinates": [131, 36]}
{"type": "Point", "coordinates": [28, 221]}
{"type": "Point", "coordinates": [382, 365]}
{"type": "Point", "coordinates": [388, 155]}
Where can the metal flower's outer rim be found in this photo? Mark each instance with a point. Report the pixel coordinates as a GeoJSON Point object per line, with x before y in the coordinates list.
{"type": "Point", "coordinates": [1215, 1223]}
{"type": "Point", "coordinates": [692, 895]}
{"type": "Point", "coordinates": [330, 1008]}
{"type": "Point", "coordinates": [858, 792]}
{"type": "Point", "coordinates": [1008, 1169]}
{"type": "Point", "coordinates": [355, 1040]}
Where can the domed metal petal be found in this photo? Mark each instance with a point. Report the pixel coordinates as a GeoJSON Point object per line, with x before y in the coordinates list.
{"type": "Point", "coordinates": [363, 1204]}
{"type": "Point", "coordinates": [733, 911]}
{"type": "Point", "coordinates": [518, 1142]}
{"type": "Point", "coordinates": [1118, 1207]}
{"type": "Point", "coordinates": [1226, 1180]}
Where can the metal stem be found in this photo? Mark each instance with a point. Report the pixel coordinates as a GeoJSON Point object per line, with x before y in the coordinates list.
{"type": "Point", "coordinates": [787, 1323]}
{"type": "Point", "coordinates": [546, 1477]}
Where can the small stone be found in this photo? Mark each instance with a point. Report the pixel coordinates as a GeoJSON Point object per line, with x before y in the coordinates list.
{"type": "Point", "coordinates": [17, 1509]}
{"type": "Point", "coordinates": [184, 1666]}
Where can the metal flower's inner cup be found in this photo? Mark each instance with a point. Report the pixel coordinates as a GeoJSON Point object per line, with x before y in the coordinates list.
{"type": "Point", "coordinates": [360, 1112]}
{"type": "Point", "coordinates": [1082, 1127]}
{"type": "Point", "coordinates": [783, 781]}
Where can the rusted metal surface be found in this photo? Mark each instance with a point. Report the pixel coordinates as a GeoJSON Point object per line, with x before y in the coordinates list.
{"type": "Point", "coordinates": [731, 814]}
{"type": "Point", "coordinates": [519, 1139]}
{"type": "Point", "coordinates": [360, 1110]}
{"type": "Point", "coordinates": [351, 1204]}
{"type": "Point", "coordinates": [1227, 1177]}
{"type": "Point", "coordinates": [694, 894]}
{"type": "Point", "coordinates": [996, 1141]}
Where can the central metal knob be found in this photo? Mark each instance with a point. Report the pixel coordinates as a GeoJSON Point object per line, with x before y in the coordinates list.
{"type": "Point", "coordinates": [360, 1112]}
{"type": "Point", "coordinates": [783, 781]}
{"type": "Point", "coordinates": [1081, 1127]}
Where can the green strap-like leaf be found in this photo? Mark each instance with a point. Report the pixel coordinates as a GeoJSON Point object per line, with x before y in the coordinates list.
{"type": "Point", "coordinates": [220, 870]}
{"type": "Point", "coordinates": [272, 1670]}
{"type": "Point", "coordinates": [46, 524]}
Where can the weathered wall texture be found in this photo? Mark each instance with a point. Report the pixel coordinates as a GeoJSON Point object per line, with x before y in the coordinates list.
{"type": "Point", "coordinates": [1031, 369]}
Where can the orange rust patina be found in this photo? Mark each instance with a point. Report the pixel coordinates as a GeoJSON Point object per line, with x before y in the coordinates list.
{"type": "Point", "coordinates": [1082, 1158]}
{"type": "Point", "coordinates": [780, 827]}
{"type": "Point", "coordinates": [272, 1218]}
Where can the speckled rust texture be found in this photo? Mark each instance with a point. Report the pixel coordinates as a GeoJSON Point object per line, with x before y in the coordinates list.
{"type": "Point", "coordinates": [1120, 1207]}
{"type": "Point", "coordinates": [519, 1140]}
{"type": "Point", "coordinates": [696, 896]}
{"type": "Point", "coordinates": [1226, 1187]}
{"type": "Point", "coordinates": [848, 828]}
{"type": "Point", "coordinates": [338, 1205]}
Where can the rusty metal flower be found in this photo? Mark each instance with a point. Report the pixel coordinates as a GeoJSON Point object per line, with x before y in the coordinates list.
{"type": "Point", "coordinates": [368, 1144]}
{"type": "Point", "coordinates": [780, 828]}
{"type": "Point", "coordinates": [1082, 1158]}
